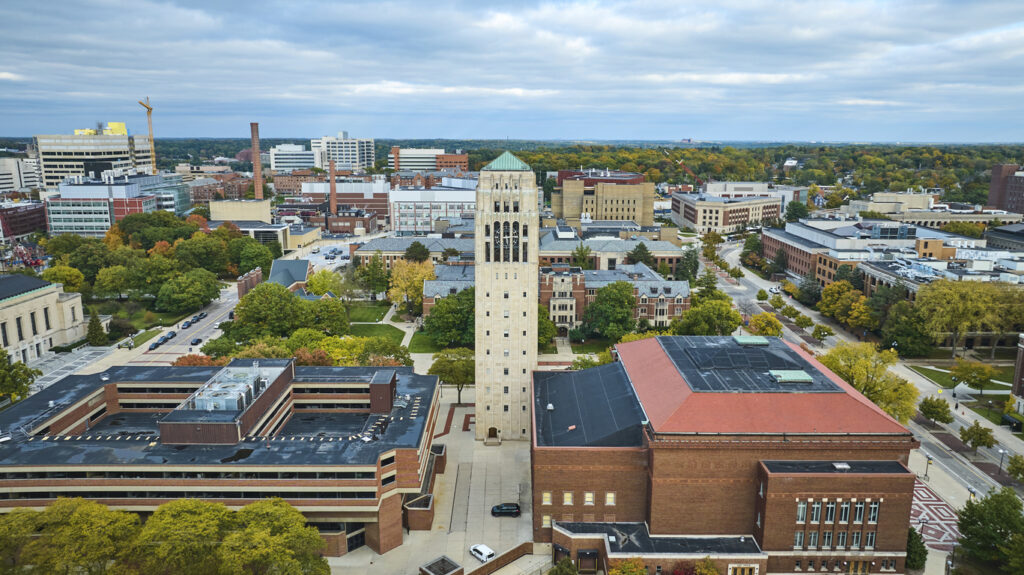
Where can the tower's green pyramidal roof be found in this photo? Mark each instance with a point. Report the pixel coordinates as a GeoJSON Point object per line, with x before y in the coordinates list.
{"type": "Point", "coordinates": [506, 162]}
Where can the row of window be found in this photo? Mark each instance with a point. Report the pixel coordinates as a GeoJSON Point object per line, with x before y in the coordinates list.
{"type": "Point", "coordinates": [568, 497]}
{"type": "Point", "coordinates": [332, 475]}
{"type": "Point", "coordinates": [190, 494]}
{"type": "Point", "coordinates": [811, 538]}
{"type": "Point", "coordinates": [830, 511]}
{"type": "Point", "coordinates": [31, 322]}
{"type": "Point", "coordinates": [852, 567]}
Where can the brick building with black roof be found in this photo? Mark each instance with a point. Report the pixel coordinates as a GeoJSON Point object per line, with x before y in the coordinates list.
{"type": "Point", "coordinates": [743, 449]}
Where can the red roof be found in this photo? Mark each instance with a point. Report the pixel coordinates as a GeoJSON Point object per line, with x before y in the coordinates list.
{"type": "Point", "coordinates": [672, 407]}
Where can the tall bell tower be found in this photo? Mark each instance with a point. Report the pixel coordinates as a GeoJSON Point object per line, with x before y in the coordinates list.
{"type": "Point", "coordinates": [507, 233]}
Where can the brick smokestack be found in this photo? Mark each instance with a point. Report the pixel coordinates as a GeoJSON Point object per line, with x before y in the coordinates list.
{"type": "Point", "coordinates": [257, 167]}
{"type": "Point", "coordinates": [334, 191]}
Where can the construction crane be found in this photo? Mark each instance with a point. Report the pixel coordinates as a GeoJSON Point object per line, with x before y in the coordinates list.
{"type": "Point", "coordinates": [152, 145]}
{"type": "Point", "coordinates": [699, 182]}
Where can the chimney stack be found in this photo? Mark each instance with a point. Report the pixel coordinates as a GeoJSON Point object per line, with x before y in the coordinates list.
{"type": "Point", "coordinates": [334, 191]}
{"type": "Point", "coordinates": [257, 167]}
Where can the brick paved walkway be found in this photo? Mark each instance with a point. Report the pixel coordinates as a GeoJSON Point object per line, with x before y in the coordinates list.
{"type": "Point", "coordinates": [939, 531]}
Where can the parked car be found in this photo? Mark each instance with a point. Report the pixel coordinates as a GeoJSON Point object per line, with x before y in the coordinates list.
{"type": "Point", "coordinates": [482, 552]}
{"type": "Point", "coordinates": [316, 250]}
{"type": "Point", "coordinates": [195, 319]}
{"type": "Point", "coordinates": [187, 324]}
{"type": "Point", "coordinates": [171, 334]}
{"type": "Point", "coordinates": [154, 345]}
{"type": "Point", "coordinates": [201, 315]}
{"type": "Point", "coordinates": [162, 340]}
{"type": "Point", "coordinates": [775, 289]}
{"type": "Point", "coordinates": [231, 314]}
{"type": "Point", "coordinates": [509, 509]}
{"type": "Point", "coordinates": [196, 341]}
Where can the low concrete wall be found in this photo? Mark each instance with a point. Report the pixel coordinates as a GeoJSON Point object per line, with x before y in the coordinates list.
{"type": "Point", "coordinates": [504, 559]}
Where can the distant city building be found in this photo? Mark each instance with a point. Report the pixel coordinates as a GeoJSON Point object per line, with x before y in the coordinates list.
{"type": "Point", "coordinates": [448, 177]}
{"type": "Point", "coordinates": [347, 220]}
{"type": "Point", "coordinates": [1008, 237]}
{"type": "Point", "coordinates": [424, 159]}
{"type": "Point", "coordinates": [286, 158]}
{"type": "Point", "coordinates": [19, 219]}
{"type": "Point", "coordinates": [372, 196]}
{"type": "Point", "coordinates": [89, 154]}
{"type": "Point", "coordinates": [924, 209]}
{"type": "Point", "coordinates": [18, 173]}
{"type": "Point", "coordinates": [189, 172]}
{"type": "Point", "coordinates": [414, 211]}
{"type": "Point", "coordinates": [290, 184]}
{"type": "Point", "coordinates": [88, 207]}
{"type": "Point", "coordinates": [228, 186]}
{"type": "Point", "coordinates": [1006, 191]}
{"type": "Point", "coordinates": [733, 190]}
{"type": "Point", "coordinates": [37, 315]}
{"type": "Point", "coordinates": [704, 213]}
{"type": "Point", "coordinates": [584, 195]}
{"type": "Point", "coordinates": [171, 191]}
{"type": "Point", "coordinates": [347, 153]}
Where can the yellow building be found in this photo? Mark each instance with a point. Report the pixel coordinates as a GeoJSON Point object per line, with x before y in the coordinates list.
{"type": "Point", "coordinates": [36, 315]}
{"type": "Point", "coordinates": [603, 195]}
{"type": "Point", "coordinates": [241, 211]}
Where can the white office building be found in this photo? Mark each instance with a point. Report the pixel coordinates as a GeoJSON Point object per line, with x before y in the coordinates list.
{"type": "Point", "coordinates": [414, 211]}
{"type": "Point", "coordinates": [347, 153]}
{"type": "Point", "coordinates": [62, 156]}
{"type": "Point", "coordinates": [416, 159]}
{"type": "Point", "coordinates": [287, 157]}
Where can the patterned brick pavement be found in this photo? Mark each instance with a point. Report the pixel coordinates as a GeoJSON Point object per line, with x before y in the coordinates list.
{"type": "Point", "coordinates": [940, 530]}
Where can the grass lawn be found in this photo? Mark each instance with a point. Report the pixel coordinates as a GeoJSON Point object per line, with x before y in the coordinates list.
{"type": "Point", "coordinates": [995, 415]}
{"type": "Point", "coordinates": [591, 345]}
{"type": "Point", "coordinates": [143, 337]}
{"type": "Point", "coordinates": [547, 349]}
{"type": "Point", "coordinates": [1004, 353]}
{"type": "Point", "coordinates": [367, 311]}
{"type": "Point", "coordinates": [945, 380]}
{"type": "Point", "coordinates": [139, 313]}
{"type": "Point", "coordinates": [422, 343]}
{"type": "Point", "coordinates": [377, 330]}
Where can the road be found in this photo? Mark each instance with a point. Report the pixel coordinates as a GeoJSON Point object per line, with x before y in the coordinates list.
{"type": "Point", "coordinates": [216, 312]}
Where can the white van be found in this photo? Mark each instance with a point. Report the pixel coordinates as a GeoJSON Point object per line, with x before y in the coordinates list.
{"type": "Point", "coordinates": [482, 552]}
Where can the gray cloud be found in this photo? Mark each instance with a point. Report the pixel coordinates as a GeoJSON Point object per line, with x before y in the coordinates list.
{"type": "Point", "coordinates": [845, 70]}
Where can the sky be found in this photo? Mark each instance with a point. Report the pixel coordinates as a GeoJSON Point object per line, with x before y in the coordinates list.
{"type": "Point", "coordinates": [907, 71]}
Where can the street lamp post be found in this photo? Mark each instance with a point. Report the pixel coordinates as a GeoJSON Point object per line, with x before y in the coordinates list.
{"type": "Point", "coordinates": [971, 492]}
{"type": "Point", "coordinates": [928, 464]}
{"type": "Point", "coordinates": [1002, 452]}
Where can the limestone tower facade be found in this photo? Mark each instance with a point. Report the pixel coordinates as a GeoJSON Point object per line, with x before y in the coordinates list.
{"type": "Point", "coordinates": [507, 234]}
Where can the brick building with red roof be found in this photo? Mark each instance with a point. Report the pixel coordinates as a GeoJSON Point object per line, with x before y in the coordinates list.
{"type": "Point", "coordinates": [743, 449]}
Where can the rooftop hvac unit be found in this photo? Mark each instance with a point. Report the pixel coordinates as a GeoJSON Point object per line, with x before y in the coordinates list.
{"type": "Point", "coordinates": [841, 466]}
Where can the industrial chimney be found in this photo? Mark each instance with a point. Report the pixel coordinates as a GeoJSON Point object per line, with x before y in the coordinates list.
{"type": "Point", "coordinates": [257, 167]}
{"type": "Point", "coordinates": [334, 191]}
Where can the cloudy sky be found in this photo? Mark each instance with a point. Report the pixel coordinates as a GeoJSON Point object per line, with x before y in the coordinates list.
{"type": "Point", "coordinates": [723, 70]}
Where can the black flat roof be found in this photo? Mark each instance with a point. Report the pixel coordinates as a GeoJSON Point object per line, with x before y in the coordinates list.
{"type": "Point", "coordinates": [593, 408]}
{"type": "Point", "coordinates": [836, 466]}
{"type": "Point", "coordinates": [16, 284]}
{"type": "Point", "coordinates": [635, 539]}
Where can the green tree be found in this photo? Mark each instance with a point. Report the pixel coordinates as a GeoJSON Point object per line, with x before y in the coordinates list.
{"type": "Point", "coordinates": [968, 229]}
{"type": "Point", "coordinates": [866, 368]}
{"type": "Point", "coordinates": [276, 251]}
{"type": "Point", "coordinates": [94, 333]}
{"type": "Point", "coordinates": [90, 258]}
{"type": "Point", "coordinates": [664, 270]}
{"type": "Point", "coordinates": [112, 281]}
{"type": "Point", "coordinates": [781, 262]}
{"type": "Point", "coordinates": [373, 276]}
{"type": "Point", "coordinates": [417, 252]}
{"type": "Point", "coordinates": [917, 553]}
{"type": "Point", "coordinates": [147, 276]}
{"type": "Point", "coordinates": [255, 256]}
{"type": "Point", "coordinates": [935, 409]}
{"type": "Point", "coordinates": [449, 253]}
{"type": "Point", "coordinates": [323, 281]}
{"type": "Point", "coordinates": [17, 528]}
{"type": "Point", "coordinates": [752, 245]}
{"type": "Point", "coordinates": [688, 265]}
{"type": "Point", "coordinates": [951, 308]}
{"type": "Point", "coordinates": [581, 257]}
{"type": "Point", "coordinates": [611, 313]}
{"type": "Point", "coordinates": [16, 378]}
{"type": "Point", "coordinates": [789, 311]}
{"type": "Point", "coordinates": [203, 251]}
{"type": "Point", "coordinates": [67, 275]}
{"type": "Point", "coordinates": [796, 211]}
{"type": "Point", "coordinates": [63, 244]}
{"type": "Point", "coordinates": [406, 283]}
{"type": "Point", "coordinates": [713, 317]}
{"type": "Point", "coordinates": [456, 366]}
{"type": "Point", "coordinates": [634, 566]}
{"type": "Point", "coordinates": [223, 346]}
{"type": "Point", "coordinates": [809, 292]}
{"type": "Point", "coordinates": [272, 537]}
{"type": "Point", "coordinates": [904, 329]}
{"type": "Point", "coordinates": [1015, 467]}
{"type": "Point", "coordinates": [802, 321]}
{"type": "Point", "coordinates": [776, 302]}
{"type": "Point", "coordinates": [640, 254]}
{"type": "Point", "coordinates": [975, 374]}
{"type": "Point", "coordinates": [564, 567]}
{"type": "Point", "coordinates": [977, 435]}
{"type": "Point", "coordinates": [765, 324]}
{"type": "Point", "coordinates": [546, 329]}
{"type": "Point", "coordinates": [709, 244]}
{"type": "Point", "coordinates": [182, 536]}
{"type": "Point", "coordinates": [306, 337]}
{"type": "Point", "coordinates": [329, 316]}
{"type": "Point", "coordinates": [990, 522]}
{"type": "Point", "coordinates": [822, 331]}
{"type": "Point", "coordinates": [849, 274]}
{"type": "Point", "coordinates": [762, 295]}
{"type": "Point", "coordinates": [707, 285]}
{"type": "Point", "coordinates": [452, 320]}
{"type": "Point", "coordinates": [706, 566]}
{"type": "Point", "coordinates": [269, 309]}
{"type": "Point", "coordinates": [75, 535]}
{"type": "Point", "coordinates": [190, 291]}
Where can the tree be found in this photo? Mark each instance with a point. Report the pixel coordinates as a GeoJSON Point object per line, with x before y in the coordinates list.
{"type": "Point", "coordinates": [849, 274]}
{"type": "Point", "coordinates": [611, 313]}
{"type": "Point", "coordinates": [1015, 467]}
{"type": "Point", "coordinates": [94, 333]}
{"type": "Point", "coordinates": [203, 251]}
{"type": "Point", "coordinates": [452, 320]}
{"type": "Point", "coordinates": [752, 245]}
{"type": "Point", "coordinates": [688, 265]}
{"type": "Point", "coordinates": [304, 337]}
{"type": "Point", "coordinates": [664, 270]}
{"type": "Point", "coordinates": [417, 252]}
{"type": "Point", "coordinates": [67, 275]}
{"type": "Point", "coordinates": [190, 291]}
{"type": "Point", "coordinates": [90, 258]}
{"type": "Point", "coordinates": [16, 378]}
{"type": "Point", "coordinates": [710, 242]}
{"type": "Point", "coordinates": [789, 311]}
{"type": "Point", "coordinates": [707, 285]}
{"type": "Point", "coordinates": [904, 329]}
{"type": "Point", "coordinates": [714, 317]}
{"type": "Point", "coordinates": [796, 211]}
{"type": "Point", "coordinates": [634, 566]}
{"type": "Point", "coordinates": [449, 253]}
{"type": "Point", "coordinates": [63, 244]}
{"type": "Point", "coordinates": [917, 553]}
{"type": "Point", "coordinates": [781, 261]}
{"type": "Point", "coordinates": [866, 368]}
{"type": "Point", "coordinates": [988, 523]}
{"type": "Point", "coordinates": [546, 329]}
{"type": "Point", "coordinates": [822, 331]}
{"type": "Point", "coordinates": [182, 536]}
{"type": "Point", "coordinates": [304, 356]}
{"type": "Point", "coordinates": [581, 257]}
{"type": "Point", "coordinates": [329, 316]}
{"type": "Point", "coordinates": [586, 362]}
{"type": "Point", "coordinates": [406, 284]}
{"type": "Point", "coordinates": [265, 347]}
{"type": "Point", "coordinates": [272, 537]}
{"type": "Point", "coordinates": [112, 280]}
{"type": "Point", "coordinates": [935, 409]}
{"type": "Point", "coordinates": [352, 350]}
{"type": "Point", "coordinates": [765, 324]}
{"type": "Point", "coordinates": [198, 360]}
{"type": "Point", "coordinates": [640, 254]}
{"type": "Point", "coordinates": [975, 374]}
{"type": "Point", "coordinates": [706, 566]}
{"type": "Point", "coordinates": [969, 229]}
{"type": "Point", "coordinates": [762, 295]}
{"type": "Point", "coordinates": [977, 435]}
{"type": "Point", "coordinates": [276, 251]}
{"type": "Point", "coordinates": [323, 281]}
{"type": "Point", "coordinates": [269, 309]}
{"type": "Point", "coordinates": [255, 256]}
{"type": "Point", "coordinates": [564, 567]}
{"type": "Point", "coordinates": [373, 276]}
{"type": "Point", "coordinates": [456, 366]}
{"type": "Point", "coordinates": [76, 535]}
{"type": "Point", "coordinates": [17, 528]}
{"type": "Point", "coordinates": [951, 307]}
{"type": "Point", "coordinates": [221, 347]}
{"type": "Point", "coordinates": [776, 301]}
{"type": "Point", "coordinates": [802, 321]}
{"type": "Point", "coordinates": [809, 292]}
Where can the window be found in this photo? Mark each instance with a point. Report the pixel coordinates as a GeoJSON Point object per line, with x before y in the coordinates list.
{"type": "Point", "coordinates": [506, 295]}
{"type": "Point", "coordinates": [506, 389]}
{"type": "Point", "coordinates": [810, 565]}
{"type": "Point", "coordinates": [760, 490]}
{"type": "Point", "coordinates": [506, 371]}
{"type": "Point", "coordinates": [609, 498]}
{"type": "Point", "coordinates": [567, 498]}
{"type": "Point", "coordinates": [830, 512]}
{"type": "Point", "coordinates": [816, 512]}
{"type": "Point", "coordinates": [32, 322]}
{"type": "Point", "coordinates": [858, 512]}
{"type": "Point", "coordinates": [506, 409]}
{"type": "Point", "coordinates": [588, 497]}
{"type": "Point", "coordinates": [798, 540]}
{"type": "Point", "coordinates": [873, 512]}
{"type": "Point", "coordinates": [3, 331]}
{"type": "Point", "coordinates": [801, 511]}
{"type": "Point", "coordinates": [844, 512]}
{"type": "Point", "coordinates": [797, 566]}
{"type": "Point", "coordinates": [545, 498]}
{"type": "Point", "coordinates": [21, 334]}
{"type": "Point", "coordinates": [869, 540]}
{"type": "Point", "coordinates": [840, 539]}
{"type": "Point", "coordinates": [826, 540]}
{"type": "Point", "coordinates": [545, 521]}
{"type": "Point", "coordinates": [812, 539]}
{"type": "Point", "coordinates": [855, 540]}
{"type": "Point", "coordinates": [758, 520]}
{"type": "Point", "coordinates": [506, 313]}
{"type": "Point", "coordinates": [74, 315]}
